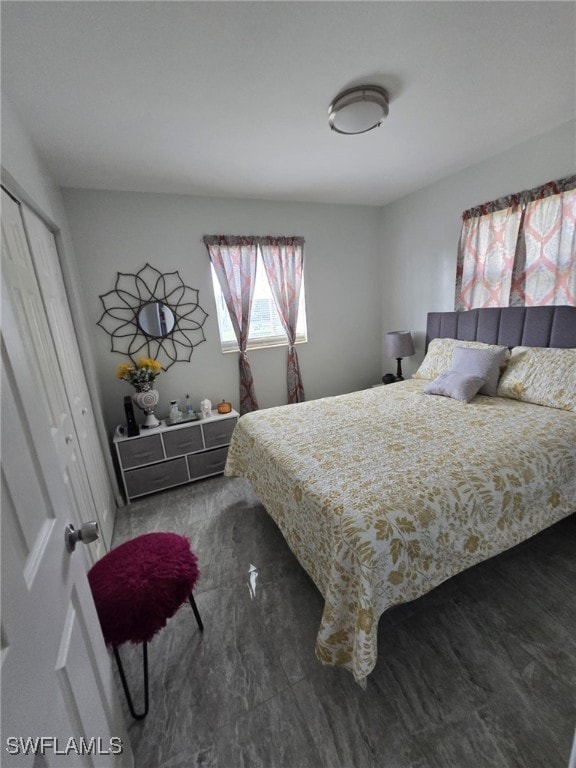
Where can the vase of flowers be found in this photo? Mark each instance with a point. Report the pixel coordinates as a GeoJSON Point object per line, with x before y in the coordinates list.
{"type": "Point", "coordinates": [142, 375]}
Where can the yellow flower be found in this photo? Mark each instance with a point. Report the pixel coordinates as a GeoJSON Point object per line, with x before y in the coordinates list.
{"type": "Point", "coordinates": [148, 362]}
{"type": "Point", "coordinates": [143, 372]}
{"type": "Point", "coordinates": [123, 370]}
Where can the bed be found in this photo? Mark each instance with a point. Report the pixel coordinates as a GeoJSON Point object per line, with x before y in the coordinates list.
{"type": "Point", "coordinates": [384, 494]}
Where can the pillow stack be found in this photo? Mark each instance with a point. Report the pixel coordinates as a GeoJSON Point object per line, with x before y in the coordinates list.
{"type": "Point", "coordinates": [462, 369]}
{"type": "Point", "coordinates": [475, 368]}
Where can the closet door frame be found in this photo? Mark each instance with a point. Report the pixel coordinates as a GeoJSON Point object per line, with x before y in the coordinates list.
{"type": "Point", "coordinates": [68, 268]}
{"type": "Point", "coordinates": [93, 416]}
{"type": "Point", "coordinates": [51, 286]}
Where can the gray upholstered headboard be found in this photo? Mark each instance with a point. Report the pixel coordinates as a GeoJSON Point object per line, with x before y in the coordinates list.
{"type": "Point", "coordinates": [509, 326]}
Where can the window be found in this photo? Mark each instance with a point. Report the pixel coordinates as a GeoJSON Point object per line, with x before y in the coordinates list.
{"type": "Point", "coordinates": [265, 324]}
{"type": "Point", "coordinates": [519, 250]}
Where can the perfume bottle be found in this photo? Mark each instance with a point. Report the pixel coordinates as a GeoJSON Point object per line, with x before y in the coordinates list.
{"type": "Point", "coordinates": [189, 408]}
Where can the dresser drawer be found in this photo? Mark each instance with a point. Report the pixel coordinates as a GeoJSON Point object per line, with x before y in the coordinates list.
{"type": "Point", "coordinates": [143, 450]}
{"type": "Point", "coordinates": [185, 440]}
{"type": "Point", "coordinates": [156, 477]}
{"type": "Point", "coordinates": [208, 463]}
{"type": "Point", "coordinates": [218, 432]}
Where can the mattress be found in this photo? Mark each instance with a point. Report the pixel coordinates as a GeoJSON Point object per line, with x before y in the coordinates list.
{"type": "Point", "coordinates": [385, 493]}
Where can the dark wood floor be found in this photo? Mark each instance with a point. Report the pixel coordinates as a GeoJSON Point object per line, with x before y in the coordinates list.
{"type": "Point", "coordinates": [479, 673]}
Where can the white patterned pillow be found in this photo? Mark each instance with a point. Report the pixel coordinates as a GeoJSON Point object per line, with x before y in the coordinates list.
{"type": "Point", "coordinates": [439, 356]}
{"type": "Point", "coordinates": [542, 376]}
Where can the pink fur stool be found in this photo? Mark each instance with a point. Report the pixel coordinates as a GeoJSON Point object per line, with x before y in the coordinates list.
{"type": "Point", "coordinates": [137, 587]}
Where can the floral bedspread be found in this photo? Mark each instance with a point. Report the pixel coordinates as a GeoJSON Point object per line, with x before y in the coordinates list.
{"type": "Point", "coordinates": [385, 493]}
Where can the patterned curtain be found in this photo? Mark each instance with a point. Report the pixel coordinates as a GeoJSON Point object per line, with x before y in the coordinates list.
{"type": "Point", "coordinates": [283, 259]}
{"type": "Point", "coordinates": [519, 250]}
{"type": "Point", "coordinates": [549, 245]}
{"type": "Point", "coordinates": [234, 260]}
{"type": "Point", "coordinates": [486, 259]}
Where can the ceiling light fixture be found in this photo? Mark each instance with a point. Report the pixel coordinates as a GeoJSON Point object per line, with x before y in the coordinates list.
{"type": "Point", "coordinates": [358, 109]}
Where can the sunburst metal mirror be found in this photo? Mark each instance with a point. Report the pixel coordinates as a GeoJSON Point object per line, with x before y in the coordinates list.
{"type": "Point", "coordinates": [153, 314]}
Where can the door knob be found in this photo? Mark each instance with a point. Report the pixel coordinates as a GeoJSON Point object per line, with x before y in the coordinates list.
{"type": "Point", "coordinates": [84, 411]}
{"type": "Point", "coordinates": [68, 439]}
{"type": "Point", "coordinates": [87, 533]}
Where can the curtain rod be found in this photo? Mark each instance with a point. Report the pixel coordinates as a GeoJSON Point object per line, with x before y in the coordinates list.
{"type": "Point", "coordinates": [521, 198]}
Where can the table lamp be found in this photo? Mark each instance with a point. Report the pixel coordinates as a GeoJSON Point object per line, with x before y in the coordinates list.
{"type": "Point", "coordinates": [398, 344]}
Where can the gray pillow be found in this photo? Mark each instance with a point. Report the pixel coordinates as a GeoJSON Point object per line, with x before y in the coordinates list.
{"type": "Point", "coordinates": [460, 386]}
{"type": "Point", "coordinates": [485, 363]}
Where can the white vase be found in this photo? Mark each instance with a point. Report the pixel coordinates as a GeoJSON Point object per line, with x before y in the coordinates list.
{"type": "Point", "coordinates": [147, 399]}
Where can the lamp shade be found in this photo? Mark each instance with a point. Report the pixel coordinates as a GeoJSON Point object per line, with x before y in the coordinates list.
{"type": "Point", "coordinates": [398, 344]}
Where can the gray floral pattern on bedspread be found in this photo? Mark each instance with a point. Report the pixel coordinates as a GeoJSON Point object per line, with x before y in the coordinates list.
{"type": "Point", "coordinates": [384, 494]}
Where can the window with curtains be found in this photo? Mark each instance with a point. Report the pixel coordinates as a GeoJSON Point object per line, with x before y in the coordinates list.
{"type": "Point", "coordinates": [260, 282]}
{"type": "Point", "coordinates": [520, 250]}
{"type": "Point", "coordinates": [265, 329]}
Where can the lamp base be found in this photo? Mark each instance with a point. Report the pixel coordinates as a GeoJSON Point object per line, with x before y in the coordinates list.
{"type": "Point", "coordinates": [399, 376]}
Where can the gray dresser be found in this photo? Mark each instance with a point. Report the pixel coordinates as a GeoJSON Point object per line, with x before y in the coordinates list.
{"type": "Point", "coordinates": [163, 457]}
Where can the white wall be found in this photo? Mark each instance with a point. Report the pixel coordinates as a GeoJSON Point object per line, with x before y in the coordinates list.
{"type": "Point", "coordinates": [116, 231]}
{"type": "Point", "coordinates": [419, 233]}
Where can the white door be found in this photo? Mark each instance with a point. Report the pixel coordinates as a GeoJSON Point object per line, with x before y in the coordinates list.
{"type": "Point", "coordinates": [60, 707]}
{"type": "Point", "coordinates": [51, 285]}
{"type": "Point", "coordinates": [19, 278]}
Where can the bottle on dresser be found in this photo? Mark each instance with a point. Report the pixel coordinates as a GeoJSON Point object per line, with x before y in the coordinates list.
{"type": "Point", "coordinates": [175, 412]}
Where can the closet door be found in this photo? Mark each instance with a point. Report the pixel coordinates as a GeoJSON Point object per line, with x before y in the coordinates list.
{"type": "Point", "coordinates": [51, 284]}
{"type": "Point", "coordinates": [19, 278]}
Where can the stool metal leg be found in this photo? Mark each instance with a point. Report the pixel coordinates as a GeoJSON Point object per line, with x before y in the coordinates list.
{"type": "Point", "coordinates": [134, 714]}
{"type": "Point", "coordinates": [125, 684]}
{"type": "Point", "coordinates": [195, 609]}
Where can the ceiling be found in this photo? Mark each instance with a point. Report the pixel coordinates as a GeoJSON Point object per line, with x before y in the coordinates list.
{"type": "Point", "coordinates": [231, 98]}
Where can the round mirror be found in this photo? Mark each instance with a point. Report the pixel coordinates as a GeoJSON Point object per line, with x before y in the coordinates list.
{"type": "Point", "coordinates": [156, 319]}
